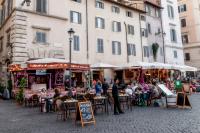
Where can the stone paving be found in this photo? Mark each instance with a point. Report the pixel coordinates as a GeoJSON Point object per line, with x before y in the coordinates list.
{"type": "Point", "coordinates": [17, 119]}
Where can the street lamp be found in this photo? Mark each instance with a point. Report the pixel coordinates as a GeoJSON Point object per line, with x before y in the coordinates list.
{"type": "Point", "coordinates": [28, 2]}
{"type": "Point", "coordinates": [71, 34]}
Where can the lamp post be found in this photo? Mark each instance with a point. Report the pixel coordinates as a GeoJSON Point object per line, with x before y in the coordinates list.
{"type": "Point", "coordinates": [28, 2]}
{"type": "Point", "coordinates": [71, 34]}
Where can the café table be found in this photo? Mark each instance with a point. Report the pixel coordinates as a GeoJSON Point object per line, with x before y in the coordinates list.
{"type": "Point", "coordinates": [124, 98]}
{"type": "Point", "coordinates": [70, 104]}
{"type": "Point", "coordinates": [100, 101]}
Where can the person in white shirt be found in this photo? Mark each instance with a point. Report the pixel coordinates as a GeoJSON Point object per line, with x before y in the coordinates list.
{"type": "Point", "coordinates": [129, 90]}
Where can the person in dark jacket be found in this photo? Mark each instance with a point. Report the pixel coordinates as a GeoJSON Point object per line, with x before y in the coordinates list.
{"type": "Point", "coordinates": [105, 87]}
{"type": "Point", "coordinates": [115, 93]}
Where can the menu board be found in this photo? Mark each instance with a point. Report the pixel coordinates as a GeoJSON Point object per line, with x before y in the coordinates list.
{"type": "Point", "coordinates": [86, 113]}
{"type": "Point", "coordinates": [59, 79]}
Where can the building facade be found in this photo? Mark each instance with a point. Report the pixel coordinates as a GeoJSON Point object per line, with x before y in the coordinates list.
{"type": "Point", "coordinates": [154, 30]}
{"type": "Point", "coordinates": [106, 31]}
{"type": "Point", "coordinates": [172, 32]}
{"type": "Point", "coordinates": [189, 11]}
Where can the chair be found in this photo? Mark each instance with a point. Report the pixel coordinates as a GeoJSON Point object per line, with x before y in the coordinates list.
{"type": "Point", "coordinates": [61, 110]}
{"type": "Point", "coordinates": [71, 107]}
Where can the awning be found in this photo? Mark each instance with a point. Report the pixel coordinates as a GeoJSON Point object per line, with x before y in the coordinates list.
{"type": "Point", "coordinates": [47, 61]}
{"type": "Point", "coordinates": [102, 66]}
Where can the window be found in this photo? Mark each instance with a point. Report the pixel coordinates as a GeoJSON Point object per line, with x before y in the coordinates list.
{"type": "Point", "coordinates": [76, 43]}
{"type": "Point", "coordinates": [161, 51]}
{"type": "Point", "coordinates": [158, 13]}
{"type": "Point", "coordinates": [173, 35]}
{"type": "Point", "coordinates": [41, 37]}
{"type": "Point", "coordinates": [146, 51]}
{"type": "Point", "coordinates": [1, 44]}
{"type": "Point", "coordinates": [100, 46]}
{"type": "Point", "coordinates": [9, 6]}
{"type": "Point", "coordinates": [144, 32]}
{"type": "Point", "coordinates": [170, 11]}
{"type": "Point", "coordinates": [116, 26]}
{"type": "Point", "coordinates": [115, 9]}
{"type": "Point", "coordinates": [187, 56]}
{"type": "Point", "coordinates": [129, 14]}
{"type": "Point", "coordinates": [185, 39]}
{"type": "Point", "coordinates": [99, 4]}
{"type": "Point", "coordinates": [131, 29]}
{"type": "Point", "coordinates": [183, 22]}
{"type": "Point", "coordinates": [41, 6]}
{"type": "Point", "coordinates": [75, 17]}
{"type": "Point", "coordinates": [149, 28]}
{"type": "Point", "coordinates": [79, 1]}
{"type": "Point", "coordinates": [175, 54]}
{"type": "Point", "coordinates": [143, 18]}
{"type": "Point", "coordinates": [182, 8]}
{"type": "Point", "coordinates": [148, 9]}
{"type": "Point", "coordinates": [116, 48]}
{"type": "Point", "coordinates": [131, 49]}
{"type": "Point", "coordinates": [8, 39]}
{"type": "Point", "coordinates": [99, 23]}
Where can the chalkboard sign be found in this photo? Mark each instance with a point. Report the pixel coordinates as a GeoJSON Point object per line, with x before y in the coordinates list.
{"type": "Point", "coordinates": [86, 113]}
{"type": "Point", "coordinates": [180, 99]}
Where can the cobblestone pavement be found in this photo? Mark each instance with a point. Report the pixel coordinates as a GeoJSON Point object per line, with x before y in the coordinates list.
{"type": "Point", "coordinates": [16, 119]}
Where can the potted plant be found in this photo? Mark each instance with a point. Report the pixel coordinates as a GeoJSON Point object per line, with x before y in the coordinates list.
{"type": "Point", "coordinates": [155, 47]}
{"type": "Point", "coordinates": [20, 94]}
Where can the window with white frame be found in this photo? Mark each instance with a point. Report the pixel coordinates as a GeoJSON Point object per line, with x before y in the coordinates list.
{"type": "Point", "coordinates": [187, 56]}
{"type": "Point", "coordinates": [76, 43]}
{"type": "Point", "coordinates": [41, 6]}
{"type": "Point", "coordinates": [173, 35]}
{"type": "Point", "coordinates": [149, 28]}
{"type": "Point", "coordinates": [131, 29]}
{"type": "Point", "coordinates": [170, 10]}
{"type": "Point", "coordinates": [115, 9]}
{"type": "Point", "coordinates": [131, 49]}
{"type": "Point", "coordinates": [129, 14]}
{"type": "Point", "coordinates": [182, 8]}
{"type": "Point", "coordinates": [146, 51]}
{"type": "Point", "coordinates": [161, 51]}
{"type": "Point", "coordinates": [9, 6]}
{"type": "Point", "coordinates": [99, 4]}
{"type": "Point", "coordinates": [99, 23]}
{"type": "Point", "coordinates": [144, 32]}
{"type": "Point", "coordinates": [75, 17]}
{"type": "Point", "coordinates": [175, 54]}
{"type": "Point", "coordinates": [8, 39]}
{"type": "Point", "coordinates": [185, 39]}
{"type": "Point", "coordinates": [116, 48]}
{"type": "Point", "coordinates": [116, 26]}
{"type": "Point", "coordinates": [183, 22]}
{"type": "Point", "coordinates": [41, 37]}
{"type": "Point", "coordinates": [100, 48]}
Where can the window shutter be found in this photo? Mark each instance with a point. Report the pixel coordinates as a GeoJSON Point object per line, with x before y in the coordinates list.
{"type": "Point", "coordinates": [71, 16]}
{"type": "Point", "coordinates": [175, 37]}
{"type": "Point", "coordinates": [113, 48]}
{"type": "Point", "coordinates": [168, 9]}
{"type": "Point", "coordinates": [172, 9]}
{"type": "Point", "coordinates": [119, 26]}
{"type": "Point", "coordinates": [134, 50]}
{"type": "Point", "coordinates": [119, 48]}
{"type": "Point", "coordinates": [103, 23]}
{"type": "Point", "coordinates": [96, 23]}
{"type": "Point", "coordinates": [129, 49]}
{"type": "Point", "coordinates": [44, 6]}
{"type": "Point", "coordinates": [171, 34]}
{"type": "Point", "coordinates": [79, 18]}
{"type": "Point", "coordinates": [38, 5]}
{"type": "Point", "coordinates": [113, 26]}
{"type": "Point", "coordinates": [43, 37]}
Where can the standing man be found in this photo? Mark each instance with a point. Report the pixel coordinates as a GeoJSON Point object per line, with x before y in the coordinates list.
{"type": "Point", "coordinates": [115, 93]}
{"type": "Point", "coordinates": [105, 87]}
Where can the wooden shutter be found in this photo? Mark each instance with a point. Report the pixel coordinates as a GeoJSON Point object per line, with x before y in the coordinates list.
{"type": "Point", "coordinates": [119, 48]}
{"type": "Point", "coordinates": [79, 18]}
{"type": "Point", "coordinates": [113, 47]}
{"type": "Point", "coordinates": [71, 16]}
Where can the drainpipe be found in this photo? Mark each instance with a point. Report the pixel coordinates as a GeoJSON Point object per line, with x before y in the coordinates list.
{"type": "Point", "coordinates": [141, 36]}
{"type": "Point", "coordinates": [126, 41]}
{"type": "Point", "coordinates": [162, 33]}
{"type": "Point", "coordinates": [87, 33]}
